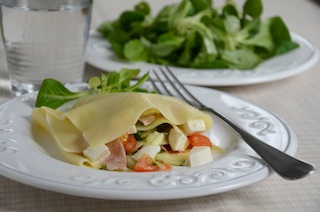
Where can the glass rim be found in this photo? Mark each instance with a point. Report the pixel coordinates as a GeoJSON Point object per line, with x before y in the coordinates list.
{"type": "Point", "coordinates": [47, 5]}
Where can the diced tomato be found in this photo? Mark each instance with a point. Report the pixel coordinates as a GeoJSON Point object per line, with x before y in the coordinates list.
{"type": "Point", "coordinates": [146, 164]}
{"type": "Point", "coordinates": [199, 140]}
{"type": "Point", "coordinates": [164, 166]}
{"type": "Point", "coordinates": [129, 143]}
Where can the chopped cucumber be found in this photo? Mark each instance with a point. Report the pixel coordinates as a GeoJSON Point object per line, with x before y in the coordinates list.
{"type": "Point", "coordinates": [173, 159]}
{"type": "Point", "coordinates": [141, 135]}
{"type": "Point", "coordinates": [130, 162]}
{"type": "Point", "coordinates": [156, 138]}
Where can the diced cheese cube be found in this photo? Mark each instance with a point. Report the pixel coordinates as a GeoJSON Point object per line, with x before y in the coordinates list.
{"type": "Point", "coordinates": [178, 140]}
{"type": "Point", "coordinates": [150, 150]}
{"type": "Point", "coordinates": [192, 126]}
{"type": "Point", "coordinates": [155, 138]}
{"type": "Point", "coordinates": [97, 153]}
{"type": "Point", "coordinates": [200, 155]}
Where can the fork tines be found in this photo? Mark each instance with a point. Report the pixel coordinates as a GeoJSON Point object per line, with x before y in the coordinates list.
{"type": "Point", "coordinates": [167, 83]}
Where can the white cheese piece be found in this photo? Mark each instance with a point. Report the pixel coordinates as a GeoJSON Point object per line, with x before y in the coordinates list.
{"type": "Point", "coordinates": [150, 150]}
{"type": "Point", "coordinates": [200, 155]}
{"type": "Point", "coordinates": [97, 153]}
{"type": "Point", "coordinates": [194, 125]}
{"type": "Point", "coordinates": [178, 140]}
{"type": "Point", "coordinates": [155, 138]}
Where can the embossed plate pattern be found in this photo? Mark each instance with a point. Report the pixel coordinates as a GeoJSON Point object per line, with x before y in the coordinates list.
{"type": "Point", "coordinates": [100, 55]}
{"type": "Point", "coordinates": [26, 161]}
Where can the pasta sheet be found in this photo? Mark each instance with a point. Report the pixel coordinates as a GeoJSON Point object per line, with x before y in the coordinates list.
{"type": "Point", "coordinates": [99, 119]}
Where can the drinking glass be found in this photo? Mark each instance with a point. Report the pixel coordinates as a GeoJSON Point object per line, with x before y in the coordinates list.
{"type": "Point", "coordinates": [44, 39]}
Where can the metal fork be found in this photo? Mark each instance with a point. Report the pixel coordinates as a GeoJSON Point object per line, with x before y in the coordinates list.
{"type": "Point", "coordinates": [285, 165]}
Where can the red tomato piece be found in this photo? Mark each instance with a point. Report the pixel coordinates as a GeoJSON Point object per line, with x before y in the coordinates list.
{"type": "Point", "coordinates": [164, 166]}
{"type": "Point", "coordinates": [199, 140]}
{"type": "Point", "coordinates": [129, 143]}
{"type": "Point", "coordinates": [145, 164]}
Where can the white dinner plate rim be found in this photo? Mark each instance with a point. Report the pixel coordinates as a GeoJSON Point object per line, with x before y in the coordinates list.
{"type": "Point", "coordinates": [98, 54]}
{"type": "Point", "coordinates": [88, 188]}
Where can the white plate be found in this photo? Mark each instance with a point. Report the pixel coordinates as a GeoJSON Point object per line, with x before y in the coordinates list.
{"type": "Point", "coordinates": [24, 160]}
{"type": "Point", "coordinates": [100, 55]}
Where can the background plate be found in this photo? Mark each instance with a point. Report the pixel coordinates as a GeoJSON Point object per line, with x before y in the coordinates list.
{"type": "Point", "coordinates": [100, 55]}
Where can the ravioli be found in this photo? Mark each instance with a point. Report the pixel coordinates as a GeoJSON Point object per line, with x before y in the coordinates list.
{"type": "Point", "coordinates": [100, 119]}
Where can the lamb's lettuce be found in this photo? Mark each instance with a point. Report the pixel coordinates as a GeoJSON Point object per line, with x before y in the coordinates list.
{"type": "Point", "coordinates": [53, 93]}
{"type": "Point", "coordinates": [194, 33]}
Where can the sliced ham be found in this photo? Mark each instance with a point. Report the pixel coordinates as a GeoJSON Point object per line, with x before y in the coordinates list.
{"type": "Point", "coordinates": [117, 158]}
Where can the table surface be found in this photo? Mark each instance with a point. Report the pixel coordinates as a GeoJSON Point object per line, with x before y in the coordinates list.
{"type": "Point", "coordinates": [295, 99]}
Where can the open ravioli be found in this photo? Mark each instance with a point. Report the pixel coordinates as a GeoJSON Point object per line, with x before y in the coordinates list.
{"type": "Point", "coordinates": [95, 130]}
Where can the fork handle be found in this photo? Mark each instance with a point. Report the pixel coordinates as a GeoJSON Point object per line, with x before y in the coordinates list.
{"type": "Point", "coordinates": [286, 166]}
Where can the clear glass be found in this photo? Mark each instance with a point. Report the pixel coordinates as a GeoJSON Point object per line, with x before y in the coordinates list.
{"type": "Point", "coordinates": [44, 39]}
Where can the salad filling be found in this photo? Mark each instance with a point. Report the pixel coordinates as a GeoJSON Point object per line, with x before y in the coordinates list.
{"type": "Point", "coordinates": [129, 131]}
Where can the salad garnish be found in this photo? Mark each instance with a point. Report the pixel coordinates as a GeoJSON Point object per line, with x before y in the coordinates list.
{"type": "Point", "coordinates": [53, 93]}
{"type": "Point", "coordinates": [197, 34]}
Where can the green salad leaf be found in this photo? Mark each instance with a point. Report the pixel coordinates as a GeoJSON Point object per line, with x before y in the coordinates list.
{"type": "Point", "coordinates": [195, 34]}
{"type": "Point", "coordinates": [118, 81]}
{"type": "Point", "coordinates": [53, 93]}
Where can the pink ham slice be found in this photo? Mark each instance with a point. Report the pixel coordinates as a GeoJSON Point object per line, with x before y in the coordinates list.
{"type": "Point", "coordinates": [117, 158]}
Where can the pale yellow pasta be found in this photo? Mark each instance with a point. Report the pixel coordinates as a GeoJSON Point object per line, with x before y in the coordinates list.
{"type": "Point", "coordinates": [99, 119]}
{"type": "Point", "coordinates": [60, 128]}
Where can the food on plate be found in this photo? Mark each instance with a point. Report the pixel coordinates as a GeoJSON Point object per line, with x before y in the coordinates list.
{"type": "Point", "coordinates": [197, 34]}
{"type": "Point", "coordinates": [129, 131]}
{"type": "Point", "coordinates": [116, 124]}
{"type": "Point", "coordinates": [53, 93]}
